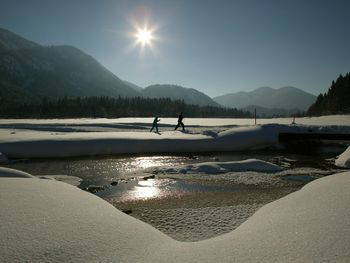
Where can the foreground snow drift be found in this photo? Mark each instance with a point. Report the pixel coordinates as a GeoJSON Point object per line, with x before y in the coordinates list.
{"type": "Point", "coordinates": [343, 160]}
{"type": "Point", "coordinates": [46, 220]}
{"type": "Point", "coordinates": [34, 144]}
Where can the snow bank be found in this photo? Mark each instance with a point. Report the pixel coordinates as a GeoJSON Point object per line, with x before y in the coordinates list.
{"type": "Point", "coordinates": [8, 172]}
{"type": "Point", "coordinates": [343, 160]}
{"type": "Point", "coordinates": [46, 220]}
{"type": "Point", "coordinates": [73, 180]}
{"type": "Point", "coordinates": [35, 144]}
{"type": "Point", "coordinates": [322, 120]}
{"type": "Point", "coordinates": [224, 167]}
{"type": "Point", "coordinates": [50, 221]}
{"type": "Point", "coordinates": [43, 144]}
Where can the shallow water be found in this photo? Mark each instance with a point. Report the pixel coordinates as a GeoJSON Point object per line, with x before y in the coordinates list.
{"type": "Point", "coordinates": [185, 209]}
{"type": "Point", "coordinates": [107, 169]}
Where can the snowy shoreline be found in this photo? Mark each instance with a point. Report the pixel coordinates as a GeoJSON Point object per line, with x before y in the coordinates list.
{"type": "Point", "coordinates": [43, 144]}
{"type": "Point", "coordinates": [46, 220]}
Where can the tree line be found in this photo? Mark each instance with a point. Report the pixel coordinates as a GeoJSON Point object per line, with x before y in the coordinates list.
{"type": "Point", "coordinates": [335, 101]}
{"type": "Point", "coordinates": [114, 107]}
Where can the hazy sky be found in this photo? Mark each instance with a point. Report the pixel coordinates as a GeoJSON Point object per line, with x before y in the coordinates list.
{"type": "Point", "coordinates": [216, 47]}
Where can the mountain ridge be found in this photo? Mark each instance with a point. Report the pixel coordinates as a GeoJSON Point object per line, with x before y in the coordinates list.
{"type": "Point", "coordinates": [176, 92]}
{"type": "Point", "coordinates": [287, 97]}
{"type": "Point", "coordinates": [55, 71]}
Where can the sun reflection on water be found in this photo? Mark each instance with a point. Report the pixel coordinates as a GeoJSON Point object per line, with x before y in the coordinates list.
{"type": "Point", "coordinates": [146, 189]}
{"type": "Point", "coordinates": [147, 162]}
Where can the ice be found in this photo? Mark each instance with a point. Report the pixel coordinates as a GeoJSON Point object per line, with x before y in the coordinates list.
{"type": "Point", "coordinates": [223, 167]}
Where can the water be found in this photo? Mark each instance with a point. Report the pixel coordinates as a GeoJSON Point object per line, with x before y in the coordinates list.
{"type": "Point", "coordinates": [101, 171]}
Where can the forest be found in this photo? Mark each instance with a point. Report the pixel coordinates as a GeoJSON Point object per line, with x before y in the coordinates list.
{"type": "Point", "coordinates": [114, 107]}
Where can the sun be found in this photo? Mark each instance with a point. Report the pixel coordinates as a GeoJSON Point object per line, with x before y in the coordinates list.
{"type": "Point", "coordinates": [144, 36]}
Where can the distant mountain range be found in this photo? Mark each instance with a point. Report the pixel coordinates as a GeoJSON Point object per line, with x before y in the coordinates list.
{"type": "Point", "coordinates": [288, 98]}
{"type": "Point", "coordinates": [175, 92]}
{"type": "Point", "coordinates": [262, 112]}
{"type": "Point", "coordinates": [29, 71]}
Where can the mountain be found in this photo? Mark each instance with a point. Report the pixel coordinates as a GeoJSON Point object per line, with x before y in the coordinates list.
{"type": "Point", "coordinates": [289, 98]}
{"type": "Point", "coordinates": [133, 86]}
{"type": "Point", "coordinates": [175, 92]}
{"type": "Point", "coordinates": [262, 112]}
{"type": "Point", "coordinates": [12, 41]}
{"type": "Point", "coordinates": [54, 71]}
{"type": "Point", "coordinates": [335, 101]}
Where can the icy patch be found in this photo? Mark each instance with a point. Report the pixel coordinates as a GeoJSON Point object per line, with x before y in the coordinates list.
{"type": "Point", "coordinates": [251, 177]}
{"type": "Point", "coordinates": [8, 172]}
{"type": "Point", "coordinates": [343, 160]}
{"type": "Point", "coordinates": [253, 165]}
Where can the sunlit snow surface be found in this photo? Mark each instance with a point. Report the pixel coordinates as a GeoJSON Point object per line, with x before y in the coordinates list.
{"type": "Point", "coordinates": [49, 221]}
{"type": "Point", "coordinates": [83, 137]}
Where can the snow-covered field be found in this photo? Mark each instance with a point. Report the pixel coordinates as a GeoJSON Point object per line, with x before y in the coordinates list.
{"type": "Point", "coordinates": [83, 137]}
{"type": "Point", "coordinates": [46, 220]}
{"type": "Point", "coordinates": [323, 120]}
{"type": "Point", "coordinates": [42, 219]}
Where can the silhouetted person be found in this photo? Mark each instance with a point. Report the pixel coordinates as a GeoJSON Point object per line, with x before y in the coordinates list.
{"type": "Point", "coordinates": [179, 122]}
{"type": "Point", "coordinates": [155, 124]}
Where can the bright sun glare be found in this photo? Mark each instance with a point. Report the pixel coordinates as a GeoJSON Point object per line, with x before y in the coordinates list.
{"type": "Point", "coordinates": [144, 36]}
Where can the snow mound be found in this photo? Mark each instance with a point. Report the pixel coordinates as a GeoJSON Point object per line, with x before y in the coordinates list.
{"type": "Point", "coordinates": [50, 221]}
{"type": "Point", "coordinates": [343, 160]}
{"type": "Point", "coordinates": [253, 165]}
{"type": "Point", "coordinates": [8, 172]}
{"type": "Point", "coordinates": [73, 180]}
{"type": "Point", "coordinates": [35, 144]}
{"type": "Point", "coordinates": [3, 159]}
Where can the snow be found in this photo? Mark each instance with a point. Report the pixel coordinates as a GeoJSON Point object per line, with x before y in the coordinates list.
{"type": "Point", "coordinates": [343, 160]}
{"type": "Point", "coordinates": [194, 224]}
{"type": "Point", "coordinates": [72, 180]}
{"type": "Point", "coordinates": [44, 144]}
{"type": "Point", "coordinates": [8, 172]}
{"type": "Point", "coordinates": [323, 120]}
{"type": "Point", "coordinates": [248, 177]}
{"type": "Point", "coordinates": [47, 220]}
{"type": "Point", "coordinates": [223, 167]}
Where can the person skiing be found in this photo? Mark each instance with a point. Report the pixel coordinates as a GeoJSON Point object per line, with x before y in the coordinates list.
{"type": "Point", "coordinates": [179, 122]}
{"type": "Point", "coordinates": [155, 124]}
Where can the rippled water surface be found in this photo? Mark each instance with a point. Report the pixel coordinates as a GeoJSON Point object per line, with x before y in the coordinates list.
{"type": "Point", "coordinates": [103, 170]}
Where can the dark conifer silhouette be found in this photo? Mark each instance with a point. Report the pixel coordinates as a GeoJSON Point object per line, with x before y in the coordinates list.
{"type": "Point", "coordinates": [112, 107]}
{"type": "Point", "coordinates": [335, 101]}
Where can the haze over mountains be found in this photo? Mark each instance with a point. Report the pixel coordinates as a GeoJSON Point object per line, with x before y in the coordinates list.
{"type": "Point", "coordinates": [190, 96]}
{"type": "Point", "coordinates": [29, 71]}
{"type": "Point", "coordinates": [288, 98]}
